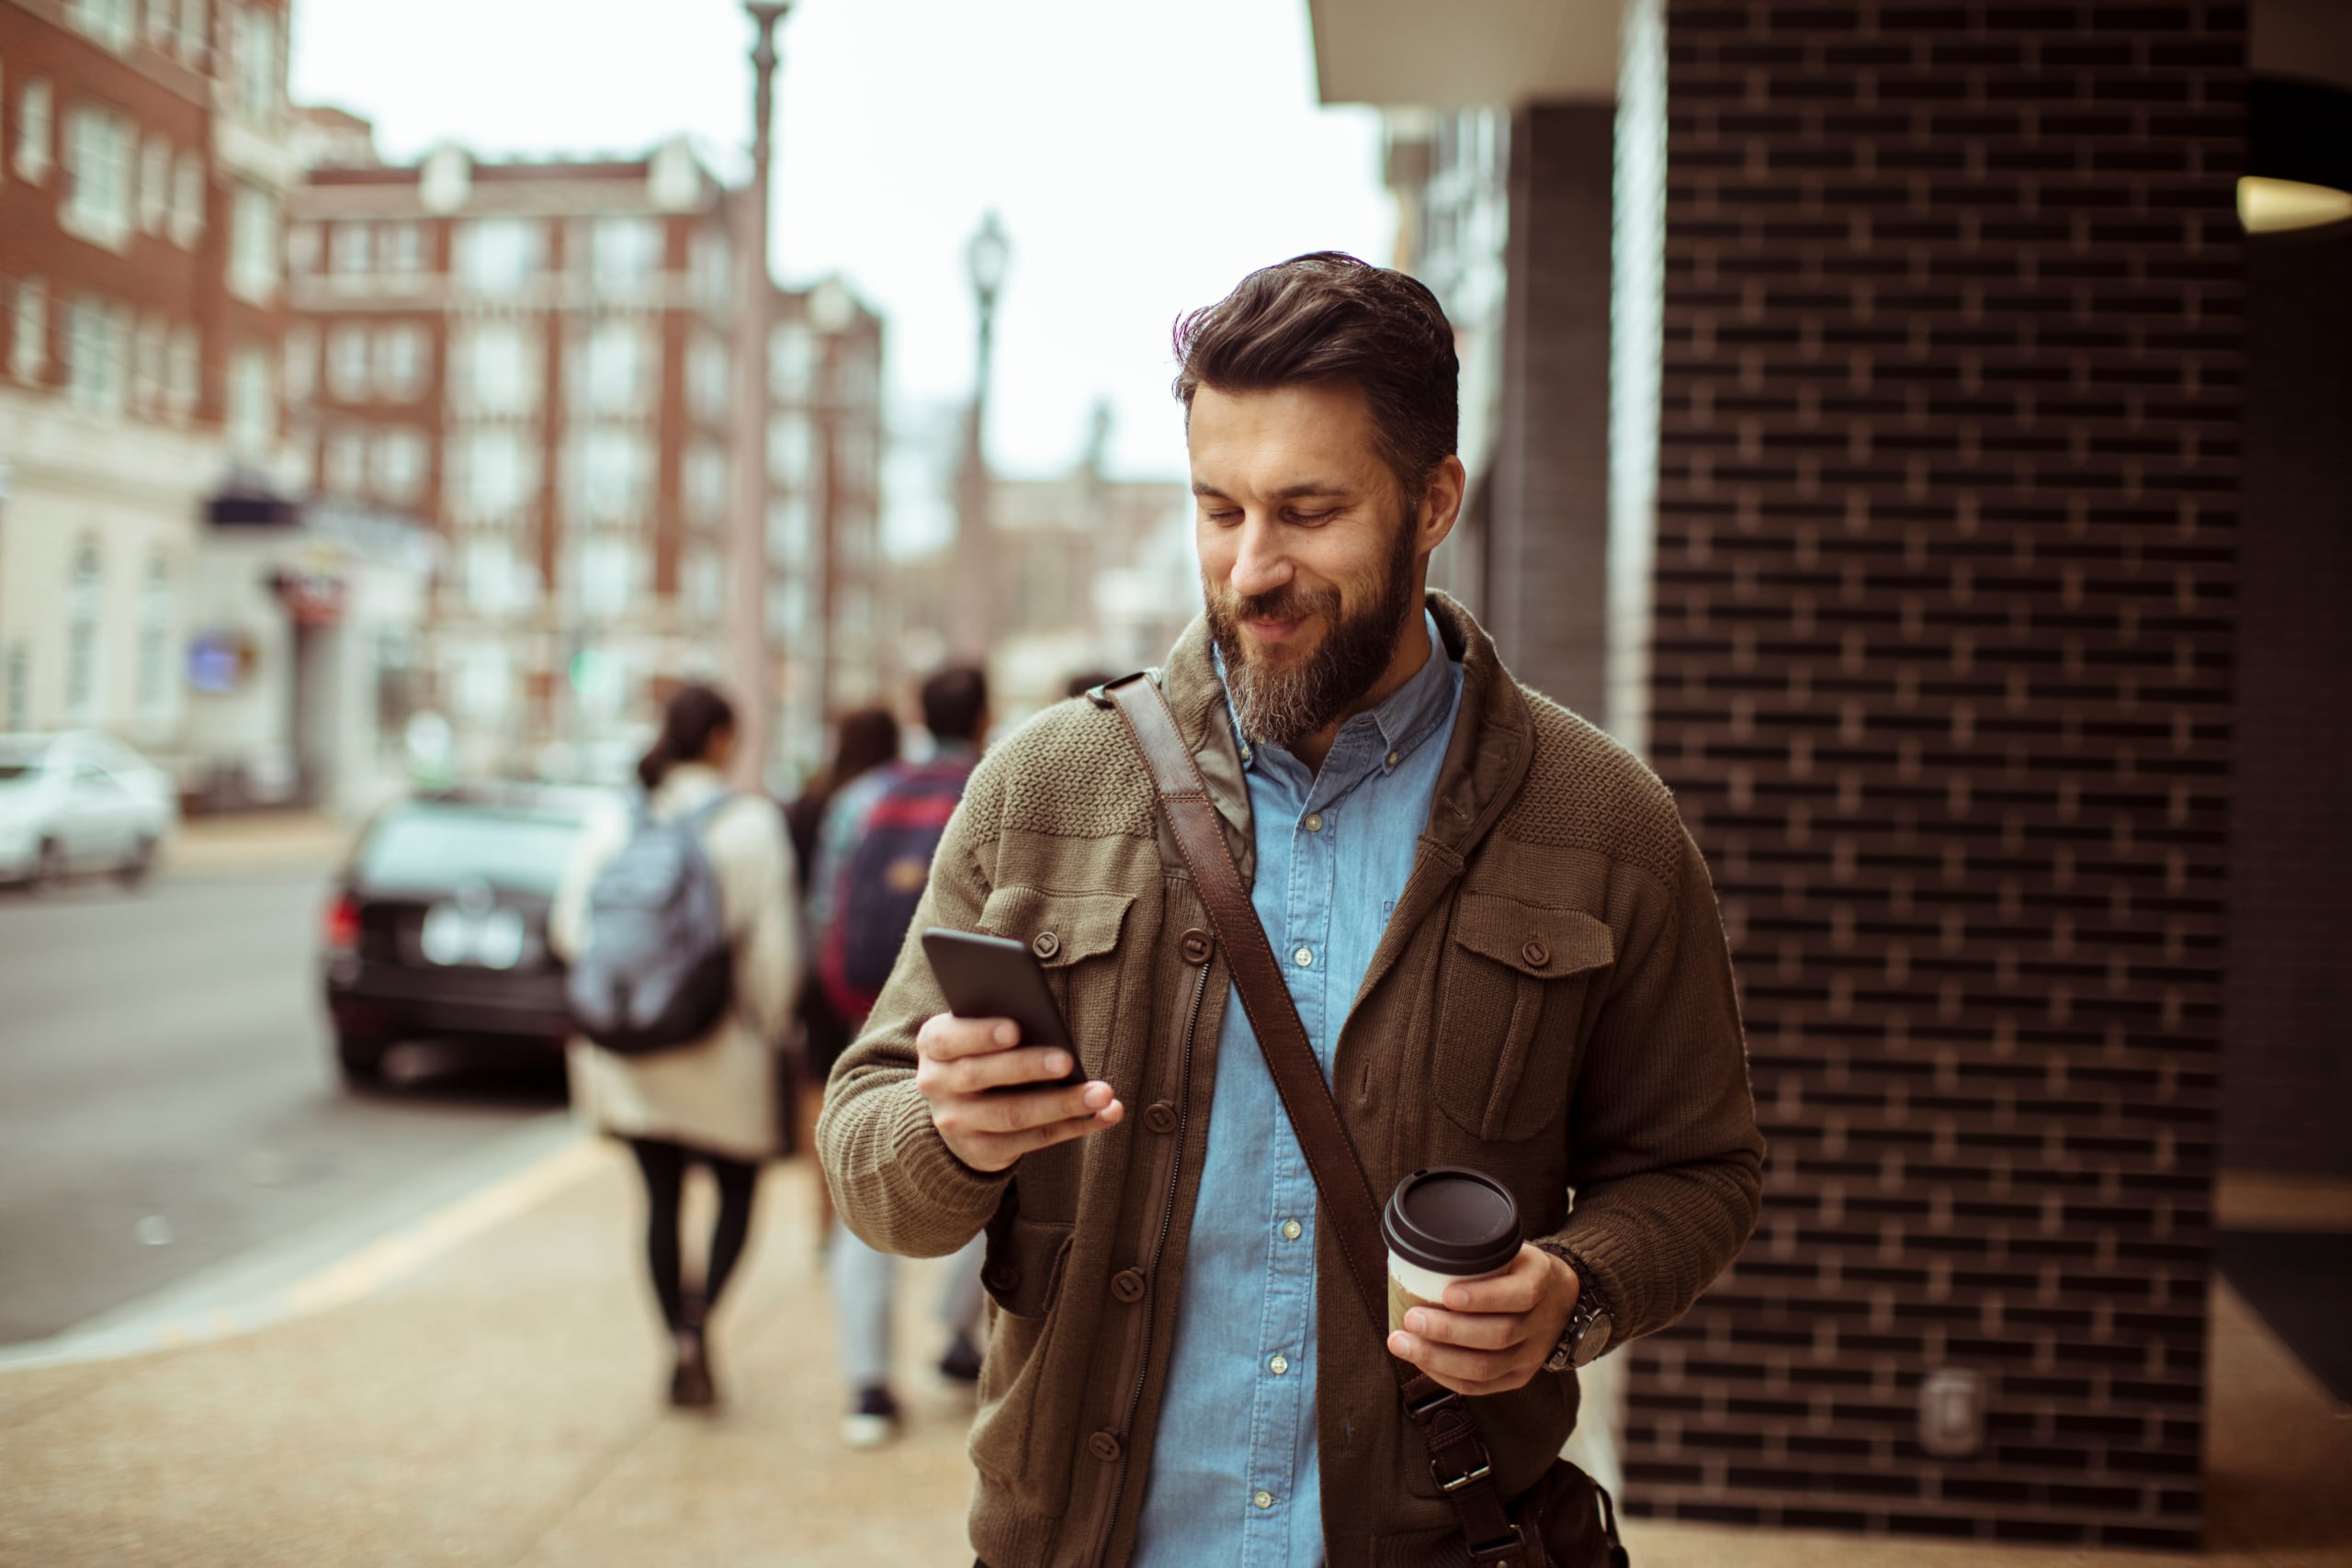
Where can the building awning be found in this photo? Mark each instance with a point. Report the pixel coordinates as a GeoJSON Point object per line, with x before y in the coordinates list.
{"type": "Point", "coordinates": [1466, 53]}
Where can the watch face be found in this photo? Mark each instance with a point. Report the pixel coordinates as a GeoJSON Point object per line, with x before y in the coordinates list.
{"type": "Point", "coordinates": [1594, 1338]}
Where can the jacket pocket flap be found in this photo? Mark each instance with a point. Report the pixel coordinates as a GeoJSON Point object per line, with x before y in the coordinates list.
{"type": "Point", "coordinates": [1546, 943]}
{"type": "Point", "coordinates": [1023, 1270]}
{"type": "Point", "coordinates": [1059, 927]}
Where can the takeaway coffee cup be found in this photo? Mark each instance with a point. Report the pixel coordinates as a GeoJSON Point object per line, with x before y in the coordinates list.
{"type": "Point", "coordinates": [1444, 1225]}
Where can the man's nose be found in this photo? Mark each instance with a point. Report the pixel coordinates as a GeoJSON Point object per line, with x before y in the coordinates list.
{"type": "Point", "coordinates": [1261, 566]}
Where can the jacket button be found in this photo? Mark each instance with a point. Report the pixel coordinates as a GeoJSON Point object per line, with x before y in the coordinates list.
{"type": "Point", "coordinates": [1103, 1446]}
{"type": "Point", "coordinates": [1003, 1278]}
{"type": "Point", "coordinates": [1044, 944]}
{"type": "Point", "coordinates": [1127, 1285]}
{"type": "Point", "coordinates": [1536, 953]}
{"type": "Point", "coordinates": [1159, 1116]}
{"type": "Point", "coordinates": [1198, 946]}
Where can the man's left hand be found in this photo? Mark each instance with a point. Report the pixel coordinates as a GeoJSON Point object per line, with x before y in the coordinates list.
{"type": "Point", "coordinates": [1495, 1334]}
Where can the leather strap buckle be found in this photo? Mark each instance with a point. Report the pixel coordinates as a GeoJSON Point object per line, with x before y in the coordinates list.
{"type": "Point", "coordinates": [1421, 1410]}
{"type": "Point", "coordinates": [1436, 1473]}
{"type": "Point", "coordinates": [1510, 1548]}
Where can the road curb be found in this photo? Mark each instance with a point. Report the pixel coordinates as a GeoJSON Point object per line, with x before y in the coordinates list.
{"type": "Point", "coordinates": [335, 1265]}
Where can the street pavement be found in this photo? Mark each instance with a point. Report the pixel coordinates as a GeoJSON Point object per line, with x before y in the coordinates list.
{"type": "Point", "coordinates": [169, 1100]}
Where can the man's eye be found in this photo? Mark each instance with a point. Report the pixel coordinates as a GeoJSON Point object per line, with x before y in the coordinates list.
{"type": "Point", "coordinates": [1309, 518]}
{"type": "Point", "coordinates": [1228, 518]}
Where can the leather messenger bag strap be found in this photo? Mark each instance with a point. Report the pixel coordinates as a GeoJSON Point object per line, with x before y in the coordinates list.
{"type": "Point", "coordinates": [1458, 1456]}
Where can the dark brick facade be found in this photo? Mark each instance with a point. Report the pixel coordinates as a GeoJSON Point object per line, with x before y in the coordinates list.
{"type": "Point", "coordinates": [1946, 556]}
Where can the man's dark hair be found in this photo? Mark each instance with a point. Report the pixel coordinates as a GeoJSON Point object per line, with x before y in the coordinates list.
{"type": "Point", "coordinates": [954, 702]}
{"type": "Point", "coordinates": [1328, 317]}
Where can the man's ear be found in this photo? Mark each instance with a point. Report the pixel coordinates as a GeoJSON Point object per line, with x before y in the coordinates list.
{"type": "Point", "coordinates": [1442, 503]}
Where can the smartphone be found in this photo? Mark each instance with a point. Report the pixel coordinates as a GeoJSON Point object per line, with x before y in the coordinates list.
{"type": "Point", "coordinates": [991, 977]}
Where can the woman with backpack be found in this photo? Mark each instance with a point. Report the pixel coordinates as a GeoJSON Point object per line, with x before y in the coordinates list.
{"type": "Point", "coordinates": [710, 1096]}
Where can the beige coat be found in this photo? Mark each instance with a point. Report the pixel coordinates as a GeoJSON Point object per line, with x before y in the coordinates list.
{"type": "Point", "coordinates": [718, 1093]}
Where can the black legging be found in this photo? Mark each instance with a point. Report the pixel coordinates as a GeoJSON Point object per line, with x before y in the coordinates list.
{"type": "Point", "coordinates": [664, 1164]}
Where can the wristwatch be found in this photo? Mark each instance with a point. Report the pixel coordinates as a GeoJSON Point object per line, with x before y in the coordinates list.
{"type": "Point", "coordinates": [1586, 1335]}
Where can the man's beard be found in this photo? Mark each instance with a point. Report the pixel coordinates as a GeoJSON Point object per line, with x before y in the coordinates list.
{"type": "Point", "coordinates": [1282, 707]}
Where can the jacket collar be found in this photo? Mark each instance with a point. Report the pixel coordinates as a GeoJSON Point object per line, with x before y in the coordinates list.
{"type": "Point", "coordinates": [1489, 753]}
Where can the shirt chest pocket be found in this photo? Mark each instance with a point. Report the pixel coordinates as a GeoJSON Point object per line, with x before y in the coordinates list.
{"type": "Point", "coordinates": [1515, 986]}
{"type": "Point", "coordinates": [1075, 937]}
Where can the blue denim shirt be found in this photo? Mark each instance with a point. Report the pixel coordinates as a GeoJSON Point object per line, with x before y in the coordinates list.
{"type": "Point", "coordinates": [1234, 1477]}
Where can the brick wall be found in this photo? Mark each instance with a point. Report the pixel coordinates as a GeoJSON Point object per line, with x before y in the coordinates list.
{"type": "Point", "coordinates": [1945, 563]}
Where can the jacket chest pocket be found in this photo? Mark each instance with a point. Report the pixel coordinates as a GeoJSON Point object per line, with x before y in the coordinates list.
{"type": "Point", "coordinates": [1075, 937]}
{"type": "Point", "coordinates": [1513, 988]}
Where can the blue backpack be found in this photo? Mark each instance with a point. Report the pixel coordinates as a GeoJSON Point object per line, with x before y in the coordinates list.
{"type": "Point", "coordinates": [657, 971]}
{"type": "Point", "coordinates": [875, 894]}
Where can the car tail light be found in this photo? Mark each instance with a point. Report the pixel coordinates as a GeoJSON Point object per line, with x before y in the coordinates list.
{"type": "Point", "coordinates": [343, 925]}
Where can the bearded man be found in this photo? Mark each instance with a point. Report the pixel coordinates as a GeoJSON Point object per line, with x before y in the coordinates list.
{"type": "Point", "coordinates": [1503, 947]}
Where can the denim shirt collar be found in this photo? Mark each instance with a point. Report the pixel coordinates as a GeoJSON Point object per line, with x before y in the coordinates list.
{"type": "Point", "coordinates": [1366, 742]}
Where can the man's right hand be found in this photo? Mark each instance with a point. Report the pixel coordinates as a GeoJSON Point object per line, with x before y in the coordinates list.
{"type": "Point", "coordinates": [961, 1060]}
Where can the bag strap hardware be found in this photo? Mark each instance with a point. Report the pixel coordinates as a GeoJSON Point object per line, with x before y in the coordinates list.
{"type": "Point", "coordinates": [1436, 1473]}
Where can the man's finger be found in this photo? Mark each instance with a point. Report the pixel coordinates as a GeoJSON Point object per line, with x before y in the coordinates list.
{"type": "Point", "coordinates": [946, 1038]}
{"type": "Point", "coordinates": [1471, 1330]}
{"type": "Point", "coordinates": [1517, 1290]}
{"type": "Point", "coordinates": [996, 1069]}
{"type": "Point", "coordinates": [1450, 1365]}
{"type": "Point", "coordinates": [1000, 1149]}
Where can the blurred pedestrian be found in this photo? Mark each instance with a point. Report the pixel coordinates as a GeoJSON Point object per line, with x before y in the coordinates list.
{"type": "Point", "coordinates": [712, 1100]}
{"type": "Point", "coordinates": [873, 859]}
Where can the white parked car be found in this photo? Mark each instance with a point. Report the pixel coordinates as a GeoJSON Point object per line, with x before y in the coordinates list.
{"type": "Point", "coordinates": [80, 803]}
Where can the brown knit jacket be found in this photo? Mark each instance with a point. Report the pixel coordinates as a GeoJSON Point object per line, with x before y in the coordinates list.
{"type": "Point", "coordinates": [1551, 1003]}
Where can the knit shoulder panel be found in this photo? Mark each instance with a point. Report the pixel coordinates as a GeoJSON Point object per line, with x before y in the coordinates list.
{"type": "Point", "coordinates": [1587, 791]}
{"type": "Point", "coordinates": [1070, 772]}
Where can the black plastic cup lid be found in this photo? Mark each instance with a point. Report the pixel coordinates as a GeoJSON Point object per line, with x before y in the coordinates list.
{"type": "Point", "coordinates": [1451, 1220]}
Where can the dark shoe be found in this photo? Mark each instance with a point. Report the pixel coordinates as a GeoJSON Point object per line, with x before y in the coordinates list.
{"type": "Point", "coordinates": [690, 1384]}
{"type": "Point", "coordinates": [962, 1362]}
{"type": "Point", "coordinates": [872, 1419]}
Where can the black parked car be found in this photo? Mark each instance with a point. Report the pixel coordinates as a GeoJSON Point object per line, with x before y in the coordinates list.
{"type": "Point", "coordinates": [438, 925]}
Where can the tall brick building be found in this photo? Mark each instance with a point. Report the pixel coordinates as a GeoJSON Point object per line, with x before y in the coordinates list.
{"type": "Point", "coordinates": [1868, 457]}
{"type": "Point", "coordinates": [535, 356]}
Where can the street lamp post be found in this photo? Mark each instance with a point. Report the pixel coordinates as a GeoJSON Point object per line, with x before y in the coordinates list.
{"type": "Point", "coordinates": [747, 555]}
{"type": "Point", "coordinates": [985, 260]}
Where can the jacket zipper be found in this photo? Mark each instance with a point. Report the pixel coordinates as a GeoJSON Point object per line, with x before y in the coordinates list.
{"type": "Point", "coordinates": [1167, 1220]}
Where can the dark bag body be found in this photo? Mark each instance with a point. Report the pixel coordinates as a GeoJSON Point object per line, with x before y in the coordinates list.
{"type": "Point", "coordinates": [657, 971]}
{"type": "Point", "coordinates": [874, 899]}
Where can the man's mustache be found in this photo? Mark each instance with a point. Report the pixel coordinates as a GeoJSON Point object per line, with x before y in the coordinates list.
{"type": "Point", "coordinates": [1282, 604]}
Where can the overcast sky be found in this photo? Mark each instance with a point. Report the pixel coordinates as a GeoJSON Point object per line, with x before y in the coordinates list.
{"type": "Point", "coordinates": [1144, 157]}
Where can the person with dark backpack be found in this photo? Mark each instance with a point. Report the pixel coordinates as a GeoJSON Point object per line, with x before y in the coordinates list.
{"type": "Point", "coordinates": [873, 860]}
{"type": "Point", "coordinates": [677, 922]}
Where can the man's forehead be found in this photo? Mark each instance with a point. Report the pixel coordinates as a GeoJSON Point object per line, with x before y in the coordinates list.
{"type": "Point", "coordinates": [1288, 441]}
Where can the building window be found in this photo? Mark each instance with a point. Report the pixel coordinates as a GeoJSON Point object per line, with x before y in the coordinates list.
{"type": "Point", "coordinates": [493, 474]}
{"type": "Point", "coordinates": [617, 370]}
{"type": "Point", "coordinates": [792, 362]}
{"type": "Point", "coordinates": [346, 461]}
{"type": "Point", "coordinates": [706, 369]}
{"type": "Point", "coordinates": [702, 578]}
{"type": "Point", "coordinates": [614, 476]}
{"type": "Point", "coordinates": [156, 688]}
{"type": "Point", "coordinates": [347, 363]}
{"type": "Point", "coordinates": [187, 202]}
{"type": "Point", "coordinates": [714, 279]}
{"type": "Point", "coordinates": [94, 351]}
{"type": "Point", "coordinates": [259, 65]}
{"type": "Point", "coordinates": [399, 466]}
{"type": "Point", "coordinates": [252, 422]}
{"type": "Point", "coordinates": [706, 482]}
{"type": "Point", "coordinates": [28, 338]}
{"type": "Point", "coordinates": [150, 349]}
{"type": "Point", "coordinates": [351, 247]}
{"type": "Point", "coordinates": [497, 255]}
{"type": "Point", "coordinates": [154, 186]}
{"type": "Point", "coordinates": [253, 245]}
{"type": "Point", "coordinates": [792, 441]}
{"type": "Point", "coordinates": [485, 682]}
{"type": "Point", "coordinates": [400, 362]}
{"type": "Point", "coordinates": [301, 373]}
{"type": "Point", "coordinates": [608, 564]}
{"type": "Point", "coordinates": [400, 248]}
{"type": "Point", "coordinates": [85, 592]}
{"type": "Point", "coordinates": [624, 252]}
{"type": "Point", "coordinates": [195, 37]}
{"type": "Point", "coordinates": [163, 23]}
{"type": "Point", "coordinates": [99, 173]}
{"type": "Point", "coordinates": [498, 369]}
{"type": "Point", "coordinates": [108, 21]}
{"type": "Point", "coordinates": [35, 129]}
{"type": "Point", "coordinates": [182, 390]}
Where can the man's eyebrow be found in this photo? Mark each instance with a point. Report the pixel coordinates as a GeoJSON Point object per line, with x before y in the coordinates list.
{"type": "Point", "coordinates": [1288, 492]}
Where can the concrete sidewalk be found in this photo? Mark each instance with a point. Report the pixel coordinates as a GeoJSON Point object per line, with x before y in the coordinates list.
{"type": "Point", "coordinates": [489, 1394]}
